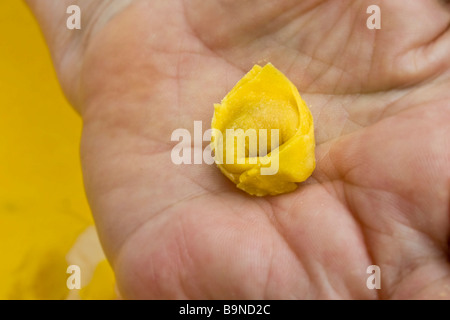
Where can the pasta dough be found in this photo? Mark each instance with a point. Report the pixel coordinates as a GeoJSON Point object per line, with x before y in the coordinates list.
{"type": "Point", "coordinates": [263, 134]}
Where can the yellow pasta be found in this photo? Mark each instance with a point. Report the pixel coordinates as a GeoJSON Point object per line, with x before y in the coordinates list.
{"type": "Point", "coordinates": [263, 134]}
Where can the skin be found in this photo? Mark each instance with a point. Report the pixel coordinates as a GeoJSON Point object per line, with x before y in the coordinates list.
{"type": "Point", "coordinates": [137, 70]}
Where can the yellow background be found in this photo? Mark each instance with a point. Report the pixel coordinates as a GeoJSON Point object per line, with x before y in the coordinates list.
{"type": "Point", "coordinates": [43, 208]}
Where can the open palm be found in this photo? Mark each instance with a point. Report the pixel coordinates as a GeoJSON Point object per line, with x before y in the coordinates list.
{"type": "Point", "coordinates": [380, 193]}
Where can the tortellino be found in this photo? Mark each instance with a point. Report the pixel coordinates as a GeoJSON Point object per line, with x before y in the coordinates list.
{"type": "Point", "coordinates": [263, 134]}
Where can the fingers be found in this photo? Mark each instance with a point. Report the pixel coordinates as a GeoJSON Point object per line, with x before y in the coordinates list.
{"type": "Point", "coordinates": [67, 46]}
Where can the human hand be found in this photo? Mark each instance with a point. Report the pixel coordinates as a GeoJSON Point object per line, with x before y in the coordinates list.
{"type": "Point", "coordinates": [379, 194]}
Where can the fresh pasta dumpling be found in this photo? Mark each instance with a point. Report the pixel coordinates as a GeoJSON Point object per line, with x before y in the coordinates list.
{"type": "Point", "coordinates": [263, 134]}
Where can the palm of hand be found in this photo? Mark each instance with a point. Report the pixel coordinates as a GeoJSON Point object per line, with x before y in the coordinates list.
{"type": "Point", "coordinates": [379, 194]}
